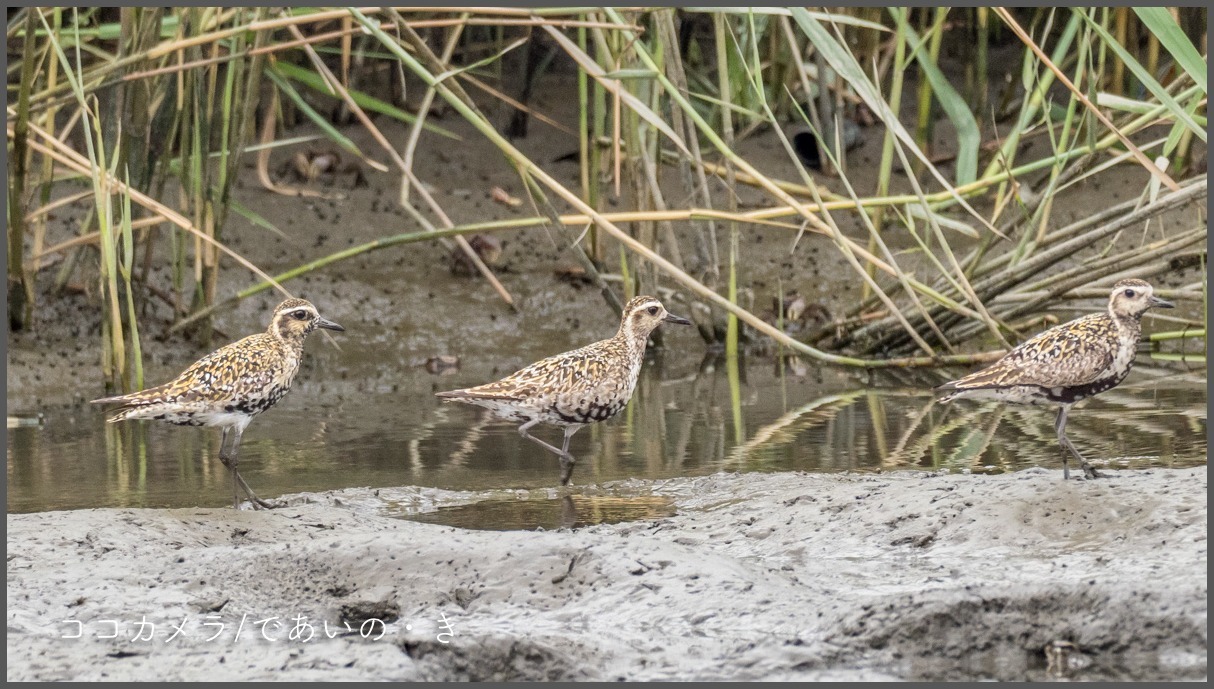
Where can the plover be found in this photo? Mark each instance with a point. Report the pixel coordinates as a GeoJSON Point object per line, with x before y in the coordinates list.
{"type": "Point", "coordinates": [1067, 363]}
{"type": "Point", "coordinates": [576, 388]}
{"type": "Point", "coordinates": [231, 385]}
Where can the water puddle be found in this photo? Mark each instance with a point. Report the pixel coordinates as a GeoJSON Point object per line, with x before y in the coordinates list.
{"type": "Point", "coordinates": [566, 512]}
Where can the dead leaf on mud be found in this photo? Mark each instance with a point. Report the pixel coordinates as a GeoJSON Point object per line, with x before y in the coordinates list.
{"type": "Point", "coordinates": [503, 197]}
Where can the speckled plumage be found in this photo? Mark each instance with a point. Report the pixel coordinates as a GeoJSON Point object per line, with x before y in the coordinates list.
{"type": "Point", "coordinates": [580, 387]}
{"type": "Point", "coordinates": [231, 385]}
{"type": "Point", "coordinates": [1067, 363]}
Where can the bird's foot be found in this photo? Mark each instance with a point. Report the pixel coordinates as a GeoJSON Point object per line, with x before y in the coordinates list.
{"type": "Point", "coordinates": [567, 463]}
{"type": "Point", "coordinates": [1089, 473]}
{"type": "Point", "coordinates": [259, 504]}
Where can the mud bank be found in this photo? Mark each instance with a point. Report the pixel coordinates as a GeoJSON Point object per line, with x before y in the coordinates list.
{"type": "Point", "coordinates": [904, 575]}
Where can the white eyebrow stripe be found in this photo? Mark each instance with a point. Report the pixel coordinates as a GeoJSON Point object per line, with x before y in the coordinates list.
{"type": "Point", "coordinates": [293, 309]}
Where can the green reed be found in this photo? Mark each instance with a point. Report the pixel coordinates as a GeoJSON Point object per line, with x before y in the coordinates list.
{"type": "Point", "coordinates": [661, 125]}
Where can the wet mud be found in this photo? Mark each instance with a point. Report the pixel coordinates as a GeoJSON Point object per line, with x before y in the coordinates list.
{"type": "Point", "coordinates": [906, 575]}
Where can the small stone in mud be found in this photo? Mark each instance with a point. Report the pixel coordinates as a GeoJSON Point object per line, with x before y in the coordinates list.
{"type": "Point", "coordinates": [443, 364]}
{"type": "Point", "coordinates": [360, 611]}
{"type": "Point", "coordinates": [573, 274]}
{"type": "Point", "coordinates": [487, 247]}
{"type": "Point", "coordinates": [209, 604]}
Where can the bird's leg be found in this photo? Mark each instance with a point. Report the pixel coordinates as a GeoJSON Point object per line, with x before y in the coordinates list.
{"type": "Point", "coordinates": [567, 459]}
{"type": "Point", "coordinates": [232, 462]}
{"type": "Point", "coordinates": [522, 430]}
{"type": "Point", "coordinates": [227, 462]}
{"type": "Point", "coordinates": [1060, 427]}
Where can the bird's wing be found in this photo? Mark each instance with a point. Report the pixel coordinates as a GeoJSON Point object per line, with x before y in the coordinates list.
{"type": "Point", "coordinates": [552, 374]}
{"type": "Point", "coordinates": [153, 395]}
{"type": "Point", "coordinates": [519, 385]}
{"type": "Point", "coordinates": [217, 377]}
{"type": "Point", "coordinates": [1075, 353]}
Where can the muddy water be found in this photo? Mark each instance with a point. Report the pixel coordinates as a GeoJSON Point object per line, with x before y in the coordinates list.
{"type": "Point", "coordinates": [687, 418]}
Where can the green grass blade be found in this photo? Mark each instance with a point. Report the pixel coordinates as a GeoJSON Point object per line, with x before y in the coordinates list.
{"type": "Point", "coordinates": [599, 74]}
{"type": "Point", "coordinates": [1178, 335]}
{"type": "Point", "coordinates": [128, 260]}
{"type": "Point", "coordinates": [1147, 80]}
{"type": "Point", "coordinates": [846, 66]}
{"type": "Point", "coordinates": [313, 81]}
{"type": "Point", "coordinates": [733, 107]}
{"type": "Point", "coordinates": [254, 218]}
{"type": "Point", "coordinates": [837, 18]}
{"type": "Point", "coordinates": [1179, 130]}
{"type": "Point", "coordinates": [1172, 38]}
{"type": "Point", "coordinates": [317, 119]}
{"type": "Point", "coordinates": [954, 105]}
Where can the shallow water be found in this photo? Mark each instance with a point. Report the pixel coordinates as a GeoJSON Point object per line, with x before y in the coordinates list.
{"type": "Point", "coordinates": [685, 419]}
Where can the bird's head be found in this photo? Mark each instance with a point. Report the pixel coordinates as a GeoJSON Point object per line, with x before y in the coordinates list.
{"type": "Point", "coordinates": [1131, 298]}
{"type": "Point", "coordinates": [294, 319]}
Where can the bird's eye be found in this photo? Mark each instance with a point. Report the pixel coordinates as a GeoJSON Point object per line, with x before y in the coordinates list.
{"type": "Point", "coordinates": [300, 315]}
{"type": "Point", "coordinates": [1129, 293]}
{"type": "Point", "coordinates": [653, 310]}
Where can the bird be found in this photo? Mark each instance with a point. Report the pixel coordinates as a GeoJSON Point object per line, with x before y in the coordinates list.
{"type": "Point", "coordinates": [1067, 363]}
{"type": "Point", "coordinates": [576, 388]}
{"type": "Point", "coordinates": [231, 385]}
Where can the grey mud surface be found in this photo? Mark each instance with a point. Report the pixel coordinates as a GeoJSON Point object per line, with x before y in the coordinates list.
{"type": "Point", "coordinates": [786, 576]}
